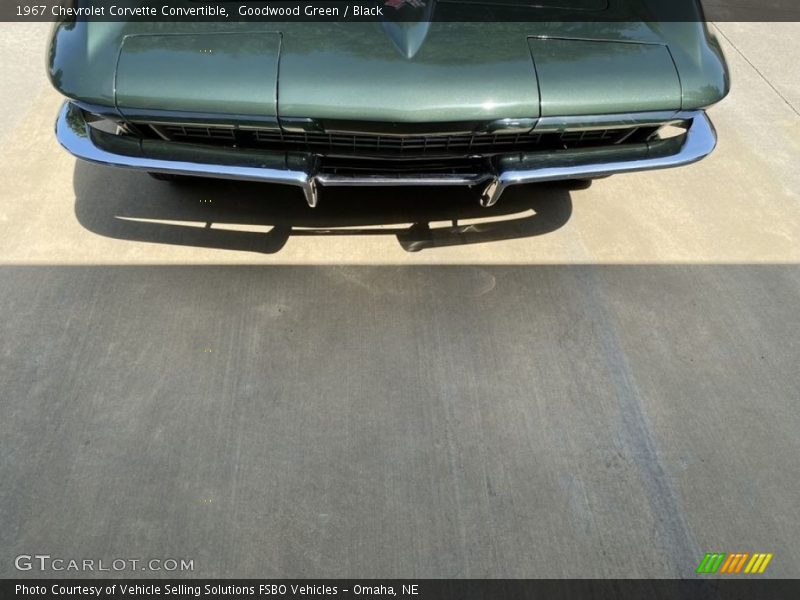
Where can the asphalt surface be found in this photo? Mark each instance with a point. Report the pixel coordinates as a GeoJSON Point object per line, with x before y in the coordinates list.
{"type": "Point", "coordinates": [597, 382]}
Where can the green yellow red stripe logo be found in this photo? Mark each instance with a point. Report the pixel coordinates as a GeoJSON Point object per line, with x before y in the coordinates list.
{"type": "Point", "coordinates": [734, 563]}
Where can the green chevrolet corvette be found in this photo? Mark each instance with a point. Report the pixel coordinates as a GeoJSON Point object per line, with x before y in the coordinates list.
{"type": "Point", "coordinates": [394, 102]}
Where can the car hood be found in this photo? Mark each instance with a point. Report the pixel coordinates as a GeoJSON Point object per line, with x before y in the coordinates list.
{"type": "Point", "coordinates": [528, 70]}
{"type": "Point", "coordinates": [370, 72]}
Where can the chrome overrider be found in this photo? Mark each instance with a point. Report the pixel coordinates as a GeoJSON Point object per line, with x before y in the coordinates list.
{"type": "Point", "coordinates": [97, 146]}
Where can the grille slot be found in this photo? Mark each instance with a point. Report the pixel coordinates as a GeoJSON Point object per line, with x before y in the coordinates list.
{"type": "Point", "coordinates": [198, 132]}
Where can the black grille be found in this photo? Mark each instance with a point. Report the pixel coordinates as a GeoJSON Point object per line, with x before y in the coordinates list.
{"type": "Point", "coordinates": [389, 166]}
{"type": "Point", "coordinates": [399, 146]}
{"type": "Point", "coordinates": [418, 144]}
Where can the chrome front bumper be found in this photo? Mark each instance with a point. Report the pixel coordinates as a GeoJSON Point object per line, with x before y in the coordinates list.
{"type": "Point", "coordinates": [93, 145]}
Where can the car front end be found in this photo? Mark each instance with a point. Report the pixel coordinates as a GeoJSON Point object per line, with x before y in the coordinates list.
{"type": "Point", "coordinates": [315, 105]}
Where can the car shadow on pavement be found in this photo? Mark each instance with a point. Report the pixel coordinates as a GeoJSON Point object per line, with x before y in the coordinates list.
{"type": "Point", "coordinates": [261, 218]}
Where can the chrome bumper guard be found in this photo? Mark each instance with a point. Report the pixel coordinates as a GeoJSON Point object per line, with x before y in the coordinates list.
{"type": "Point", "coordinates": [698, 141]}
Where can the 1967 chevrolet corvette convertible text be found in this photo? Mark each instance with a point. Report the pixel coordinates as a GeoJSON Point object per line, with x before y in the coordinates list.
{"type": "Point", "coordinates": [321, 104]}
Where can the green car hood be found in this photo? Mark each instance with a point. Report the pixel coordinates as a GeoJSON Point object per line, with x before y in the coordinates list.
{"type": "Point", "coordinates": [358, 71]}
{"type": "Point", "coordinates": [360, 74]}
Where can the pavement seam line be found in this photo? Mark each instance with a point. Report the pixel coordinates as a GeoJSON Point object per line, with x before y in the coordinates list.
{"type": "Point", "coordinates": [756, 69]}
